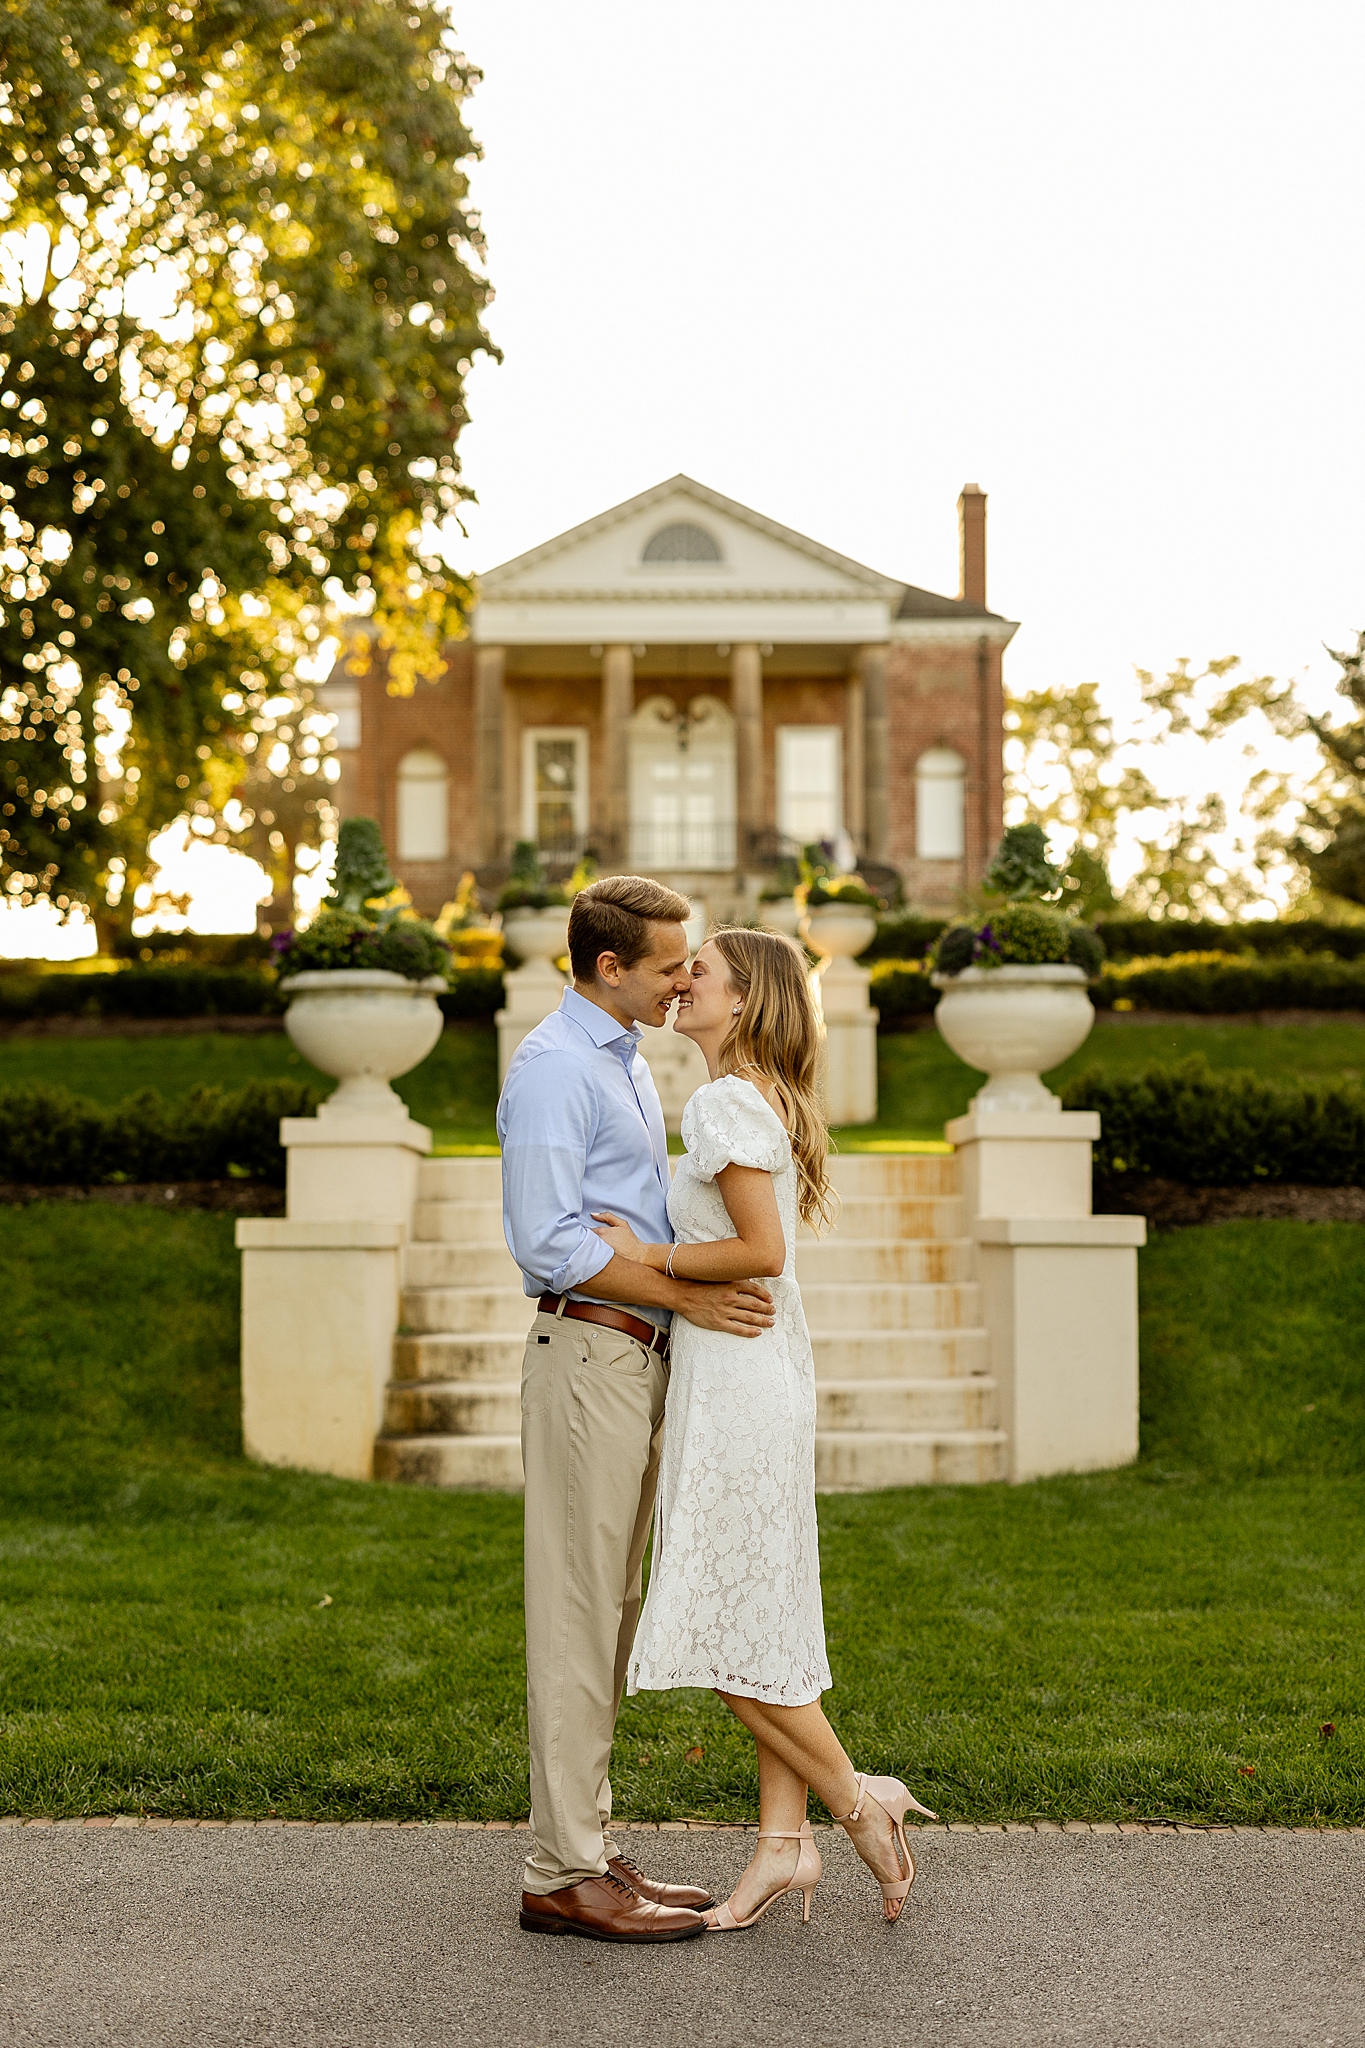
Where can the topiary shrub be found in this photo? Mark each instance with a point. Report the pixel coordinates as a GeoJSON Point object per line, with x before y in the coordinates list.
{"type": "Point", "coordinates": [903, 994]}
{"type": "Point", "coordinates": [362, 871]}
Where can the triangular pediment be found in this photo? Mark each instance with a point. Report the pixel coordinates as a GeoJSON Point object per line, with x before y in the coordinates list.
{"type": "Point", "coordinates": [611, 556]}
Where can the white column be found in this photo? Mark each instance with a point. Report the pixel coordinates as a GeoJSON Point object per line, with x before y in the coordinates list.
{"type": "Point", "coordinates": [490, 668]}
{"type": "Point", "coordinates": [618, 707]}
{"type": "Point", "coordinates": [848, 1064]}
{"type": "Point", "coordinates": [322, 1290]}
{"type": "Point", "coordinates": [746, 704]}
{"type": "Point", "coordinates": [1058, 1289]}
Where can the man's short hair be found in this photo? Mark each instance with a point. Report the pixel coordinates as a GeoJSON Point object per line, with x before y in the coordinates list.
{"type": "Point", "coordinates": [615, 915]}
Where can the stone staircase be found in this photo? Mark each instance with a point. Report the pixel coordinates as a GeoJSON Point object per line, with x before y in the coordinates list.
{"type": "Point", "coordinates": [895, 1320]}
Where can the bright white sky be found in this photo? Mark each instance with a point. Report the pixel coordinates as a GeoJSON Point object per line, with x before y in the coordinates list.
{"type": "Point", "coordinates": [836, 262]}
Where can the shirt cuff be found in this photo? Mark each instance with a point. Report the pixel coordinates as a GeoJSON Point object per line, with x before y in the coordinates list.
{"type": "Point", "coordinates": [589, 1256]}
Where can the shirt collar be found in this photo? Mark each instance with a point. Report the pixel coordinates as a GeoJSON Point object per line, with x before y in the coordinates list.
{"type": "Point", "coordinates": [601, 1027]}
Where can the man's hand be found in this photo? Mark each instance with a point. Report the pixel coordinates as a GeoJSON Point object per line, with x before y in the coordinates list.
{"type": "Point", "coordinates": [741, 1308]}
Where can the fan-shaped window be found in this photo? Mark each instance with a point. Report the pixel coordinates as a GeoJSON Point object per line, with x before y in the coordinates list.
{"type": "Point", "coordinates": [940, 805]}
{"type": "Point", "coordinates": [682, 543]}
{"type": "Point", "coordinates": [423, 806]}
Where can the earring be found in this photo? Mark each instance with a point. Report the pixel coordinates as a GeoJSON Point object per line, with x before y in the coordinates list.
{"type": "Point", "coordinates": [738, 1007]}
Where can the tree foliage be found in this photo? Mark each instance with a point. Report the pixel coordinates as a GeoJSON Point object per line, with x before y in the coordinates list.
{"type": "Point", "coordinates": [238, 303]}
{"type": "Point", "coordinates": [1332, 842]}
{"type": "Point", "coordinates": [1078, 771]}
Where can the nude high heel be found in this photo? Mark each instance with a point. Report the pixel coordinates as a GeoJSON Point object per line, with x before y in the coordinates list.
{"type": "Point", "coordinates": [807, 1874]}
{"type": "Point", "coordinates": [895, 1801]}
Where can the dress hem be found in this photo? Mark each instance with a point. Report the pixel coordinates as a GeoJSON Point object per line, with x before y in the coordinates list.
{"type": "Point", "coordinates": [711, 1681]}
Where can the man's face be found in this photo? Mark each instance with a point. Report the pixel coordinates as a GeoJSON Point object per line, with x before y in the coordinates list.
{"type": "Point", "coordinates": [645, 992]}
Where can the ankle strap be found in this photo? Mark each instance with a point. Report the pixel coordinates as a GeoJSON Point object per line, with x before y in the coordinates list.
{"type": "Point", "coordinates": [857, 1812]}
{"type": "Point", "coordinates": [771, 1835]}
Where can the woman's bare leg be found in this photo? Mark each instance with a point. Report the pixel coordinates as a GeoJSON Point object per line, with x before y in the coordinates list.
{"type": "Point", "coordinates": [802, 1739]}
{"type": "Point", "coordinates": [781, 1810]}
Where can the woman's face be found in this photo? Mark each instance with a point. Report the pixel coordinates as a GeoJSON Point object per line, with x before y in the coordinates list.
{"type": "Point", "coordinates": [708, 1006]}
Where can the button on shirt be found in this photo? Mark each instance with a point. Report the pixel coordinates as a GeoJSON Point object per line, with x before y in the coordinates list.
{"type": "Point", "coordinates": [581, 1128]}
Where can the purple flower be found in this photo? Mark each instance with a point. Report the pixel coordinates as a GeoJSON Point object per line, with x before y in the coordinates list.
{"type": "Point", "coordinates": [986, 941]}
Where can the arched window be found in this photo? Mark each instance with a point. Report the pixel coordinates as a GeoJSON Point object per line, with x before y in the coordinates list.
{"type": "Point", "coordinates": [940, 805]}
{"type": "Point", "coordinates": [682, 543]}
{"type": "Point", "coordinates": [423, 806]}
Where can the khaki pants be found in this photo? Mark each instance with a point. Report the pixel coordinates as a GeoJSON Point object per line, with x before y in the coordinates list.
{"type": "Point", "coordinates": [592, 1411]}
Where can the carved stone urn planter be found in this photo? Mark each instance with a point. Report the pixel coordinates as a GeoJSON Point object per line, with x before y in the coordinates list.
{"type": "Point", "coordinates": [364, 1025]}
{"type": "Point", "coordinates": [1013, 1024]}
{"type": "Point", "coordinates": [839, 931]}
{"type": "Point", "coordinates": [537, 937]}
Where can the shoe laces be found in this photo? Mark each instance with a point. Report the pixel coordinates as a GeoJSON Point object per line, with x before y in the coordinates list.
{"type": "Point", "coordinates": [611, 1877]}
{"type": "Point", "coordinates": [628, 1863]}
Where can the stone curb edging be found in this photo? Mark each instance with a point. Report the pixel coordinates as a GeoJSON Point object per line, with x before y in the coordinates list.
{"type": "Point", "coordinates": [697, 1827]}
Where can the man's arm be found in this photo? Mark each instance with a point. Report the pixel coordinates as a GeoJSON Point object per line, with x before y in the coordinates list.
{"type": "Point", "coordinates": [739, 1307]}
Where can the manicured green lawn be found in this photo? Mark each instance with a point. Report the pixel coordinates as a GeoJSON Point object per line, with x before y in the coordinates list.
{"type": "Point", "coordinates": [1113, 1646]}
{"type": "Point", "coordinates": [455, 1090]}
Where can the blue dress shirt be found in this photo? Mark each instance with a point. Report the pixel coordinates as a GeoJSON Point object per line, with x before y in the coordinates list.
{"type": "Point", "coordinates": [581, 1128]}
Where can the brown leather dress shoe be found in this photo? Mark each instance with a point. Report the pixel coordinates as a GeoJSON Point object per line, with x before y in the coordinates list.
{"type": "Point", "coordinates": [694, 1897]}
{"type": "Point", "coordinates": [606, 1908]}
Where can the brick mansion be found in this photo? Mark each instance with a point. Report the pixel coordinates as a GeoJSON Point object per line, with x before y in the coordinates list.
{"type": "Point", "coordinates": [688, 689]}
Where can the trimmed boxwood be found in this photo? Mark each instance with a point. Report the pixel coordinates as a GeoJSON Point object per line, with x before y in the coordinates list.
{"type": "Point", "coordinates": [903, 992]}
{"type": "Point", "coordinates": [1186, 1122]}
{"type": "Point", "coordinates": [1210, 983]}
{"type": "Point", "coordinates": [50, 1137]}
{"type": "Point", "coordinates": [1138, 938]}
{"type": "Point", "coordinates": [141, 992]}
{"type": "Point", "coordinates": [475, 994]}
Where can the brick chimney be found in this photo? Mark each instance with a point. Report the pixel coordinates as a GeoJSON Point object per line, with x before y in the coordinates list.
{"type": "Point", "coordinates": [971, 527]}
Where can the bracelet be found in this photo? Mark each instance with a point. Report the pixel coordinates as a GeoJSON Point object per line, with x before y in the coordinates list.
{"type": "Point", "coordinates": [668, 1268]}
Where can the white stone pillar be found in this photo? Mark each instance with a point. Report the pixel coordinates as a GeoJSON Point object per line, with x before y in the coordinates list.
{"type": "Point", "coordinates": [490, 669]}
{"type": "Point", "coordinates": [322, 1290]}
{"type": "Point", "coordinates": [848, 1063]}
{"type": "Point", "coordinates": [618, 708]}
{"type": "Point", "coordinates": [746, 705]}
{"type": "Point", "coordinates": [1058, 1289]}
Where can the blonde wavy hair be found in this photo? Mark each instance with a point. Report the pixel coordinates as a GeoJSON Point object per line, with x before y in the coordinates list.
{"type": "Point", "coordinates": [778, 1034]}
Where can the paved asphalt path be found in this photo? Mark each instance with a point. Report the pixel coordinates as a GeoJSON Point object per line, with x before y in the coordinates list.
{"type": "Point", "coordinates": [352, 1938]}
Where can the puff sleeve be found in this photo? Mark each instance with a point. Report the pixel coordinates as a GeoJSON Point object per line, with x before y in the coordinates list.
{"type": "Point", "coordinates": [727, 1123]}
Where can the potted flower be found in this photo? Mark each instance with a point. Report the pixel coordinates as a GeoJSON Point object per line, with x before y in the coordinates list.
{"type": "Point", "coordinates": [362, 980]}
{"type": "Point", "coordinates": [535, 913]}
{"type": "Point", "coordinates": [1013, 999]}
{"type": "Point", "coordinates": [839, 911]}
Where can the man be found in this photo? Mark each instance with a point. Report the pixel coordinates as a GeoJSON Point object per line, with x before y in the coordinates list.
{"type": "Point", "coordinates": [581, 1130]}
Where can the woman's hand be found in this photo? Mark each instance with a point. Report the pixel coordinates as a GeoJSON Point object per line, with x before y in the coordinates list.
{"type": "Point", "coordinates": [621, 1237]}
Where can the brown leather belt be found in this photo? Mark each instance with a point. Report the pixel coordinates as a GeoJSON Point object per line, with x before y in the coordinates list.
{"type": "Point", "coordinates": [648, 1334]}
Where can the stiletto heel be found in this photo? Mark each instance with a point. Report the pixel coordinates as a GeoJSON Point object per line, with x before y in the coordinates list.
{"type": "Point", "coordinates": [807, 1874]}
{"type": "Point", "coordinates": [895, 1800]}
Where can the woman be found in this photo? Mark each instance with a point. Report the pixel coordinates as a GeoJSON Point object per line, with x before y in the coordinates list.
{"type": "Point", "coordinates": [734, 1590]}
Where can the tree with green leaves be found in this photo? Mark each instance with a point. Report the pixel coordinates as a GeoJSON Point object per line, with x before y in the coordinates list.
{"type": "Point", "coordinates": [1331, 840]}
{"type": "Point", "coordinates": [238, 304]}
{"type": "Point", "coordinates": [1074, 770]}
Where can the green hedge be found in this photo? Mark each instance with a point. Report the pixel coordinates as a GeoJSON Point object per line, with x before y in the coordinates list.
{"type": "Point", "coordinates": [1210, 983]}
{"type": "Point", "coordinates": [141, 992]}
{"type": "Point", "coordinates": [903, 992]}
{"type": "Point", "coordinates": [182, 991]}
{"type": "Point", "coordinates": [49, 1137]}
{"type": "Point", "coordinates": [1144, 938]}
{"type": "Point", "coordinates": [902, 935]}
{"type": "Point", "coordinates": [475, 993]}
{"type": "Point", "coordinates": [1186, 1122]}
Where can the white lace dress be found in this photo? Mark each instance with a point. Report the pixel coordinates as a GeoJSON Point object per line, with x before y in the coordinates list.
{"type": "Point", "coordinates": [734, 1589]}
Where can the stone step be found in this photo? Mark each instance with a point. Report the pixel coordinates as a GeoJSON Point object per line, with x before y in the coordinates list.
{"type": "Point", "coordinates": [890, 1174]}
{"type": "Point", "coordinates": [901, 1355]}
{"type": "Point", "coordinates": [912, 1405]}
{"type": "Point", "coordinates": [468, 1264]}
{"type": "Point", "coordinates": [467, 1311]}
{"type": "Point", "coordinates": [493, 1408]}
{"type": "Point", "coordinates": [912, 1262]}
{"type": "Point", "coordinates": [930, 1218]}
{"type": "Point", "coordinates": [448, 1355]}
{"type": "Point", "coordinates": [845, 1462]}
{"type": "Point", "coordinates": [887, 1355]}
{"type": "Point", "coordinates": [447, 1180]}
{"type": "Point", "coordinates": [452, 1408]}
{"type": "Point", "coordinates": [865, 1310]}
{"type": "Point", "coordinates": [456, 1222]}
{"type": "Point", "coordinates": [483, 1463]}
{"type": "Point", "coordinates": [859, 1461]}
